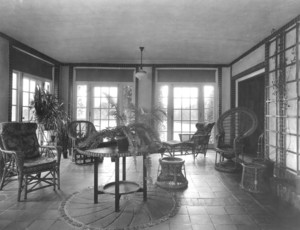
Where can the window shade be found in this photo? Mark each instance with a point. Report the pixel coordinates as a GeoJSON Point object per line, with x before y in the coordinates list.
{"type": "Point", "coordinates": [186, 75]}
{"type": "Point", "coordinates": [108, 75]}
{"type": "Point", "coordinates": [26, 63]}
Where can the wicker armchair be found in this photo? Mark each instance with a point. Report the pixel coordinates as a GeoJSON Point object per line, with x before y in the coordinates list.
{"type": "Point", "coordinates": [80, 132]}
{"type": "Point", "coordinates": [37, 166]}
{"type": "Point", "coordinates": [233, 127]}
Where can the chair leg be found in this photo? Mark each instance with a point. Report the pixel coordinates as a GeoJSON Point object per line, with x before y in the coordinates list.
{"type": "Point", "coordinates": [58, 179]}
{"type": "Point", "coordinates": [25, 186]}
{"type": "Point", "coordinates": [54, 179]}
{"type": "Point", "coordinates": [20, 185]}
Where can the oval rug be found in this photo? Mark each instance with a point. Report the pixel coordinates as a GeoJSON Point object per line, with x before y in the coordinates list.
{"type": "Point", "coordinates": [80, 211]}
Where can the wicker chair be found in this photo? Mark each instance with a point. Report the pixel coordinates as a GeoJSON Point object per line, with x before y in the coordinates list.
{"type": "Point", "coordinates": [79, 132]}
{"type": "Point", "coordinates": [195, 144]}
{"type": "Point", "coordinates": [233, 127]}
{"type": "Point", "coordinates": [37, 166]}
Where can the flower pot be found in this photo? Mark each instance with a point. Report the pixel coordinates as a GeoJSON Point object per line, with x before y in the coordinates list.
{"type": "Point", "coordinates": [123, 143]}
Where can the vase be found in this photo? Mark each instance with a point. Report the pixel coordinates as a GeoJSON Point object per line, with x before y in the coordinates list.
{"type": "Point", "coordinates": [123, 143]}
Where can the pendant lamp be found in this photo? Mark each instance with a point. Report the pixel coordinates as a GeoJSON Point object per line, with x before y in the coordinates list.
{"type": "Point", "coordinates": [140, 74]}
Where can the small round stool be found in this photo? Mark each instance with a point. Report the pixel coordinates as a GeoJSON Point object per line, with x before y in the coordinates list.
{"type": "Point", "coordinates": [171, 173]}
{"type": "Point", "coordinates": [253, 177]}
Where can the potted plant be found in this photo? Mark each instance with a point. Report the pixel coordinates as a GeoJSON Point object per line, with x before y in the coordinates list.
{"type": "Point", "coordinates": [49, 113]}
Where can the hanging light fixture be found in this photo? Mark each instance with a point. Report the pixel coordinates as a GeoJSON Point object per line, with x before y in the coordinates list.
{"type": "Point", "coordinates": [140, 74]}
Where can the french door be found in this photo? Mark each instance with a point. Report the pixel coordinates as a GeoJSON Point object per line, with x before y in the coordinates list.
{"type": "Point", "coordinates": [92, 104]}
{"type": "Point", "coordinates": [185, 106]}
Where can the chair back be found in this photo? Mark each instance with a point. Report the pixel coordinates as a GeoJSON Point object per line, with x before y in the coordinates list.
{"type": "Point", "coordinates": [79, 131]}
{"type": "Point", "coordinates": [20, 137]}
{"type": "Point", "coordinates": [235, 124]}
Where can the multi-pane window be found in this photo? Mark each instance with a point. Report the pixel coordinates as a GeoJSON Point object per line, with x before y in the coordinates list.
{"type": "Point", "coordinates": [23, 90]}
{"type": "Point", "coordinates": [185, 106]}
{"type": "Point", "coordinates": [92, 102]}
{"type": "Point", "coordinates": [101, 109]}
{"type": "Point", "coordinates": [282, 132]}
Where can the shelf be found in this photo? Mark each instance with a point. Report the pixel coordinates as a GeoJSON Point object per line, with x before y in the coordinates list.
{"type": "Point", "coordinates": [125, 187]}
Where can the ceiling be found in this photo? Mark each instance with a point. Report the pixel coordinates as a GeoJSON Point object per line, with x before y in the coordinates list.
{"type": "Point", "coordinates": [172, 31]}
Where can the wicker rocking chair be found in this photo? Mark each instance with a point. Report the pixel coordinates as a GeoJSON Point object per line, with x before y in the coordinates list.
{"type": "Point", "coordinates": [233, 127]}
{"type": "Point", "coordinates": [37, 166]}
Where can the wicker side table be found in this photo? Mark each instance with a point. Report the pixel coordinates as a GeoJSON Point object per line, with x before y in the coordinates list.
{"type": "Point", "coordinates": [253, 177]}
{"type": "Point", "coordinates": [171, 173]}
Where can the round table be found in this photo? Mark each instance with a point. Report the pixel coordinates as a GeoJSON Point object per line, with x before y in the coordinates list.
{"type": "Point", "coordinates": [117, 187]}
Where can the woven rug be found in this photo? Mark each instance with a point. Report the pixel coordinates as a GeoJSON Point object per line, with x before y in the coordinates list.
{"type": "Point", "coordinates": [80, 211]}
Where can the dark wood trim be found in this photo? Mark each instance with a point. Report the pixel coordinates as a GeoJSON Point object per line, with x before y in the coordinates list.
{"type": "Point", "coordinates": [263, 42]}
{"type": "Point", "coordinates": [26, 48]}
{"type": "Point", "coordinates": [70, 94]}
{"type": "Point", "coordinates": [220, 83]}
{"type": "Point", "coordinates": [75, 65]}
{"type": "Point", "coordinates": [249, 71]}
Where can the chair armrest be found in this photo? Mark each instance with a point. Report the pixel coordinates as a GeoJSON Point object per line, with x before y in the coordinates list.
{"type": "Point", "coordinates": [51, 151]}
{"type": "Point", "coordinates": [17, 156]}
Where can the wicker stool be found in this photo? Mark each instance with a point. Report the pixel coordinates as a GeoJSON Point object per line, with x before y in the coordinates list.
{"type": "Point", "coordinates": [171, 173]}
{"type": "Point", "coordinates": [253, 177]}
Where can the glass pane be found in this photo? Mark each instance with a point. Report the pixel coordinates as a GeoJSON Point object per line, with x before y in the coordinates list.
{"type": "Point", "coordinates": [112, 123]}
{"type": "Point", "coordinates": [104, 114]}
{"type": "Point", "coordinates": [177, 92]}
{"type": "Point", "coordinates": [104, 91]}
{"type": "Point", "coordinates": [208, 115]}
{"type": "Point", "coordinates": [81, 114]}
{"type": "Point", "coordinates": [291, 125]}
{"type": "Point", "coordinates": [185, 103]}
{"type": "Point", "coordinates": [292, 108]}
{"type": "Point", "coordinates": [47, 86]}
{"type": "Point", "coordinates": [177, 126]}
{"type": "Point", "coordinates": [14, 80]}
{"type": "Point", "coordinates": [194, 115]}
{"type": "Point", "coordinates": [104, 124]}
{"type": "Point", "coordinates": [290, 38]}
{"type": "Point", "coordinates": [194, 103]}
{"type": "Point", "coordinates": [13, 113]}
{"type": "Point", "coordinates": [96, 102]}
{"type": "Point", "coordinates": [96, 114]}
{"type": "Point", "coordinates": [177, 103]}
{"type": "Point", "coordinates": [177, 114]}
{"type": "Point", "coordinates": [290, 72]}
{"type": "Point", "coordinates": [290, 56]}
{"type": "Point", "coordinates": [186, 114]}
{"type": "Point", "coordinates": [25, 114]}
{"type": "Point", "coordinates": [97, 92]}
{"type": "Point", "coordinates": [25, 99]}
{"type": "Point", "coordinates": [194, 92]}
{"type": "Point", "coordinates": [82, 90]}
{"type": "Point", "coordinates": [291, 160]}
{"type": "Point", "coordinates": [81, 101]}
{"type": "Point", "coordinates": [291, 143]}
{"type": "Point", "coordinates": [114, 91]}
{"type": "Point", "coordinates": [164, 91]}
{"type": "Point", "coordinates": [25, 84]}
{"type": "Point", "coordinates": [185, 127]}
{"type": "Point", "coordinates": [164, 102]}
{"type": "Point", "coordinates": [104, 103]}
{"type": "Point", "coordinates": [291, 90]}
{"type": "Point", "coordinates": [208, 91]}
{"type": "Point", "coordinates": [272, 63]}
{"type": "Point", "coordinates": [272, 48]}
{"type": "Point", "coordinates": [32, 86]}
{"type": "Point", "coordinates": [14, 97]}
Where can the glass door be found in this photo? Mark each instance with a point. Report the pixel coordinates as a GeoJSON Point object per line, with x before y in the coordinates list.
{"type": "Point", "coordinates": [185, 106]}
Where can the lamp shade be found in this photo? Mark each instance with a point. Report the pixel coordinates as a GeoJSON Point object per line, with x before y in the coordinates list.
{"type": "Point", "coordinates": [141, 74]}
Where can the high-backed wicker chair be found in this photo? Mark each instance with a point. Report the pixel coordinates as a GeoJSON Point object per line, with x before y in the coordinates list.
{"type": "Point", "coordinates": [37, 166]}
{"type": "Point", "coordinates": [79, 132]}
{"type": "Point", "coordinates": [233, 126]}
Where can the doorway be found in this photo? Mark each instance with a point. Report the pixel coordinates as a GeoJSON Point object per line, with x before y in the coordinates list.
{"type": "Point", "coordinates": [251, 94]}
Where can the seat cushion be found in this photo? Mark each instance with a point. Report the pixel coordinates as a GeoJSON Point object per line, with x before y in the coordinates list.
{"type": "Point", "coordinates": [41, 161]}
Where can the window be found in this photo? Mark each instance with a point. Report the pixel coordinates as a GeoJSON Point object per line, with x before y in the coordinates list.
{"type": "Point", "coordinates": [185, 106]}
{"type": "Point", "coordinates": [23, 89]}
{"type": "Point", "coordinates": [92, 104]}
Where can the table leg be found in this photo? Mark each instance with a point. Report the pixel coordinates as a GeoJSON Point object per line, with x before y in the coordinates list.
{"type": "Point", "coordinates": [96, 180]}
{"type": "Point", "coordinates": [124, 168]}
{"type": "Point", "coordinates": [144, 178]}
{"type": "Point", "coordinates": [117, 195]}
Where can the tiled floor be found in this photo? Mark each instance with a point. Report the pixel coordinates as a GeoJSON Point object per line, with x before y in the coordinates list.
{"type": "Point", "coordinates": [213, 200]}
